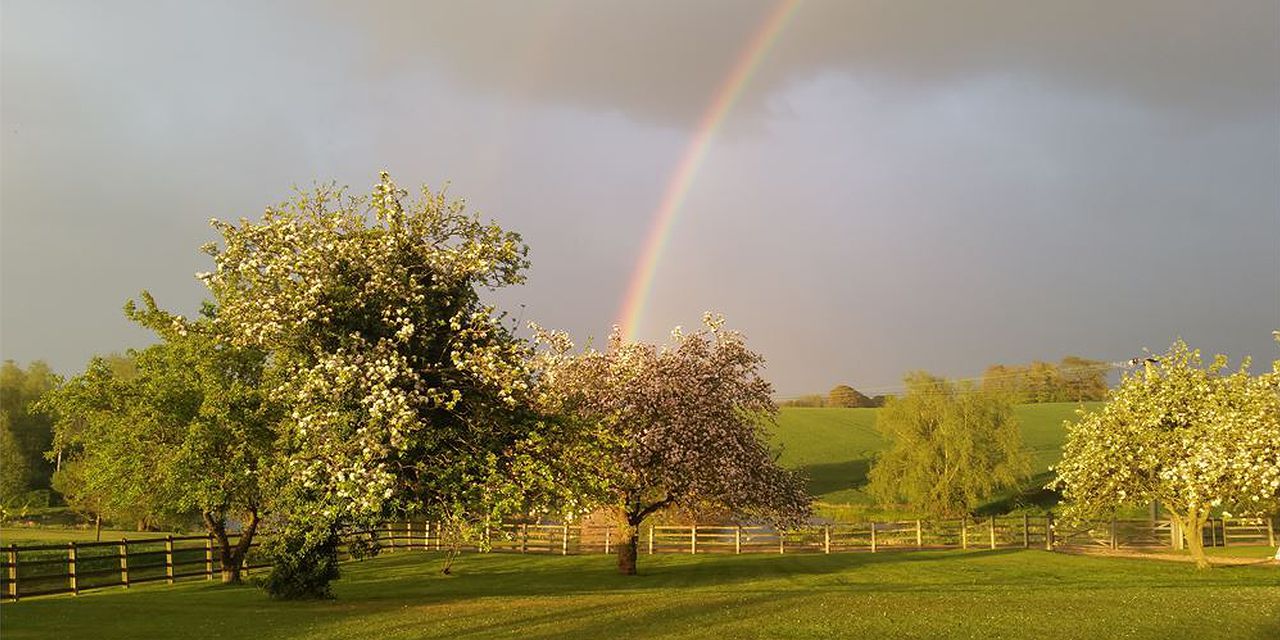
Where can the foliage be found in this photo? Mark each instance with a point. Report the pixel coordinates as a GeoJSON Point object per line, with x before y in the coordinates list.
{"type": "Point", "coordinates": [25, 433]}
{"type": "Point", "coordinates": [304, 568]}
{"type": "Point", "coordinates": [405, 391]}
{"type": "Point", "coordinates": [834, 448]}
{"type": "Point", "coordinates": [812, 400]}
{"type": "Point", "coordinates": [1072, 379]}
{"type": "Point", "coordinates": [683, 426]}
{"type": "Point", "coordinates": [846, 397]}
{"type": "Point", "coordinates": [951, 446]}
{"type": "Point", "coordinates": [1187, 435]}
{"type": "Point", "coordinates": [185, 428]}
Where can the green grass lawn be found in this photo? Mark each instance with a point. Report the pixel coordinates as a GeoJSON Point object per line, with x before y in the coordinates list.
{"type": "Point", "coordinates": [835, 447]}
{"type": "Point", "coordinates": [55, 535]}
{"type": "Point", "coordinates": [988, 595]}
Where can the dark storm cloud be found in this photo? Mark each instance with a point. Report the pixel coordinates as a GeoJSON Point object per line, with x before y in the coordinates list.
{"type": "Point", "coordinates": [660, 60]}
{"type": "Point", "coordinates": [903, 185]}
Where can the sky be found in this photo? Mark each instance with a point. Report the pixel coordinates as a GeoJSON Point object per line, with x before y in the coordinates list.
{"type": "Point", "coordinates": [899, 186]}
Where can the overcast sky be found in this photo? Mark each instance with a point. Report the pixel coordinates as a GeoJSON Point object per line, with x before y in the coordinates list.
{"type": "Point", "coordinates": [903, 185]}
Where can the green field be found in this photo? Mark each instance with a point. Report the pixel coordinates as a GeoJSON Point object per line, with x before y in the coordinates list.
{"type": "Point", "coordinates": [54, 535]}
{"type": "Point", "coordinates": [989, 595]}
{"type": "Point", "coordinates": [835, 448]}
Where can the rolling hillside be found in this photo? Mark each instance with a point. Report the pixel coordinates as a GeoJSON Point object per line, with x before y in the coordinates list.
{"type": "Point", "coordinates": [835, 447]}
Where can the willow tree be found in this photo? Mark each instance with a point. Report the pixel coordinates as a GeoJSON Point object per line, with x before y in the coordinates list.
{"type": "Point", "coordinates": [682, 425]}
{"type": "Point", "coordinates": [1184, 434]}
{"type": "Point", "coordinates": [404, 390]}
{"type": "Point", "coordinates": [951, 446]}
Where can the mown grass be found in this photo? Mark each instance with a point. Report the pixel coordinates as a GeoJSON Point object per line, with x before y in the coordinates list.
{"type": "Point", "coordinates": [55, 535]}
{"type": "Point", "coordinates": [835, 449]}
{"type": "Point", "coordinates": [990, 595]}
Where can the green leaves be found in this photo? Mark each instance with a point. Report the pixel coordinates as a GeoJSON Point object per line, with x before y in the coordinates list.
{"type": "Point", "coordinates": [1189, 435]}
{"type": "Point", "coordinates": [952, 446]}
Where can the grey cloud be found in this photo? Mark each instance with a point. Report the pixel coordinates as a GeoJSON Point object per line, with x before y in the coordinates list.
{"type": "Point", "coordinates": [661, 61]}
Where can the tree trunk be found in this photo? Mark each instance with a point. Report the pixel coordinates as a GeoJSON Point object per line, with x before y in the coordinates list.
{"type": "Point", "coordinates": [97, 528]}
{"type": "Point", "coordinates": [231, 557]}
{"type": "Point", "coordinates": [1193, 532]}
{"type": "Point", "coordinates": [627, 551]}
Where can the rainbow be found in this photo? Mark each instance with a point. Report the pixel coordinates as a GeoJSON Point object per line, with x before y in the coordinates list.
{"type": "Point", "coordinates": [682, 179]}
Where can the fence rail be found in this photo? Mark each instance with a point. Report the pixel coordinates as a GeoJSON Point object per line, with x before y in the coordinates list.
{"type": "Point", "coordinates": [78, 566]}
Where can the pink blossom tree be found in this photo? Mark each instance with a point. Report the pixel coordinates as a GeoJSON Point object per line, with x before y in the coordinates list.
{"type": "Point", "coordinates": [683, 426]}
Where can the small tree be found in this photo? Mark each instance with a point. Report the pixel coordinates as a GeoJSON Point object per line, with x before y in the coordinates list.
{"type": "Point", "coordinates": [189, 430]}
{"type": "Point", "coordinates": [682, 426]}
{"type": "Point", "coordinates": [1183, 434]}
{"type": "Point", "coordinates": [951, 447]}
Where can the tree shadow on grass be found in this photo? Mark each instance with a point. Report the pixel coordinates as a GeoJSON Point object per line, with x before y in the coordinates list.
{"type": "Point", "coordinates": [1031, 495]}
{"type": "Point", "coordinates": [836, 476]}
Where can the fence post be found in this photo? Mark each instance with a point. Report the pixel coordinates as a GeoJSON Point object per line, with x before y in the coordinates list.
{"type": "Point", "coordinates": [650, 539]}
{"type": "Point", "coordinates": [1271, 533]}
{"type": "Point", "coordinates": [168, 559]}
{"type": "Point", "coordinates": [737, 538]}
{"type": "Point", "coordinates": [1026, 532]}
{"type": "Point", "coordinates": [782, 542]}
{"type": "Point", "coordinates": [71, 568]}
{"type": "Point", "coordinates": [1224, 530]}
{"type": "Point", "coordinates": [564, 539]}
{"type": "Point", "coordinates": [873, 537]}
{"type": "Point", "coordinates": [1048, 532]}
{"type": "Point", "coordinates": [524, 537]}
{"type": "Point", "coordinates": [608, 535]}
{"type": "Point", "coordinates": [991, 524]}
{"type": "Point", "coordinates": [964, 532]}
{"type": "Point", "coordinates": [208, 557]}
{"type": "Point", "coordinates": [13, 572]}
{"type": "Point", "coordinates": [919, 535]}
{"type": "Point", "coordinates": [124, 562]}
{"type": "Point", "coordinates": [826, 538]}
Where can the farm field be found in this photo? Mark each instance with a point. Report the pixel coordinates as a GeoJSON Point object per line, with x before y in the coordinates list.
{"type": "Point", "coordinates": [835, 447]}
{"type": "Point", "coordinates": [992, 595]}
{"type": "Point", "coordinates": [53, 535]}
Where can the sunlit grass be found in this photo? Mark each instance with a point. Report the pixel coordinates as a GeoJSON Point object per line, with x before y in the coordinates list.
{"type": "Point", "coordinates": [54, 535]}
{"type": "Point", "coordinates": [1002, 594]}
{"type": "Point", "coordinates": [835, 449]}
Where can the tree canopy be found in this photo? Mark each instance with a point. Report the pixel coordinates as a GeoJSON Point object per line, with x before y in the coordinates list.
{"type": "Point", "coordinates": [686, 423]}
{"type": "Point", "coordinates": [404, 390]}
{"type": "Point", "coordinates": [25, 434]}
{"type": "Point", "coordinates": [845, 396]}
{"type": "Point", "coordinates": [1073, 379]}
{"type": "Point", "coordinates": [1192, 437]}
{"type": "Point", "coordinates": [188, 428]}
{"type": "Point", "coordinates": [951, 447]}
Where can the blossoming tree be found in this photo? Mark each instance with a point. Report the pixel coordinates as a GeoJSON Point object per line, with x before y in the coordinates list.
{"type": "Point", "coordinates": [404, 389]}
{"type": "Point", "coordinates": [680, 426]}
{"type": "Point", "coordinates": [1186, 435]}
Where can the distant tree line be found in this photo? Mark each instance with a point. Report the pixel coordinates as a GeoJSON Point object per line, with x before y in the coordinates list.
{"type": "Point", "coordinates": [1072, 379]}
{"type": "Point", "coordinates": [842, 396]}
{"type": "Point", "coordinates": [25, 435]}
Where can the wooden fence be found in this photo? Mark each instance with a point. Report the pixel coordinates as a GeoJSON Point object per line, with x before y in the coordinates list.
{"type": "Point", "coordinates": [78, 566]}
